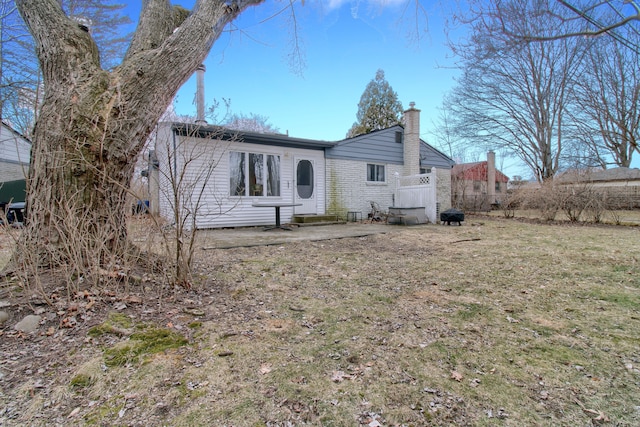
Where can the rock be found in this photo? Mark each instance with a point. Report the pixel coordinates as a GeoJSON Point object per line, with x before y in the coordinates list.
{"type": "Point", "coordinates": [28, 324]}
{"type": "Point", "coordinates": [4, 316]}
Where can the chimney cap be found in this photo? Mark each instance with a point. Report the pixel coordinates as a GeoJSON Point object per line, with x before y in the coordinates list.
{"type": "Point", "coordinates": [412, 104]}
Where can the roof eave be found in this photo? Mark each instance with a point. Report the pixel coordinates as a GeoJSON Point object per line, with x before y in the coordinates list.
{"type": "Point", "coordinates": [222, 133]}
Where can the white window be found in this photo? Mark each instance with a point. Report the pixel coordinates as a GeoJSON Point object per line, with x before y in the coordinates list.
{"type": "Point", "coordinates": [254, 174]}
{"type": "Point", "coordinates": [375, 173]}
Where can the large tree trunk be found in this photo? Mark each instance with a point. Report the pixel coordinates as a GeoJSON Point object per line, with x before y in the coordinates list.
{"type": "Point", "coordinates": [81, 168]}
{"type": "Point", "coordinates": [93, 125]}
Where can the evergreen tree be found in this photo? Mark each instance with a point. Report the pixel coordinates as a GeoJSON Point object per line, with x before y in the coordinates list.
{"type": "Point", "coordinates": [378, 108]}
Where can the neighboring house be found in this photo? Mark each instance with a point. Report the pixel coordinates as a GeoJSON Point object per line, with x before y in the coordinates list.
{"type": "Point", "coordinates": [479, 185]}
{"type": "Point", "coordinates": [230, 172]}
{"type": "Point", "coordinates": [621, 186]}
{"type": "Point", "coordinates": [15, 151]}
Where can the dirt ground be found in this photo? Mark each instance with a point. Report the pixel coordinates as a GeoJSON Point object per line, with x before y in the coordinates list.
{"type": "Point", "coordinates": [427, 325]}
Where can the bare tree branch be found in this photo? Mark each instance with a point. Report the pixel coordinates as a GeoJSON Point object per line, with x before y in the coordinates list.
{"type": "Point", "coordinates": [588, 16]}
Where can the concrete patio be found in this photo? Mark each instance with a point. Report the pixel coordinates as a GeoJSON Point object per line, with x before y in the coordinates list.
{"type": "Point", "coordinates": [257, 236]}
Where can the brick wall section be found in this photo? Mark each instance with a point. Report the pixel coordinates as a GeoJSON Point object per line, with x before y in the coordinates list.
{"type": "Point", "coordinates": [347, 189]}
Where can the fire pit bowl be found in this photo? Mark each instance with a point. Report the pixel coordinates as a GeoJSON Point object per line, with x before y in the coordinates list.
{"type": "Point", "coordinates": [452, 215]}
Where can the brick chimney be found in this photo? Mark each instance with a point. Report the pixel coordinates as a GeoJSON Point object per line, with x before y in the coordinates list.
{"type": "Point", "coordinates": [491, 176]}
{"type": "Point", "coordinates": [412, 140]}
{"type": "Point", "coordinates": [200, 95]}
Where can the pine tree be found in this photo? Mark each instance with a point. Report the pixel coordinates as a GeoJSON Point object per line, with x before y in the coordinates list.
{"type": "Point", "coordinates": [379, 107]}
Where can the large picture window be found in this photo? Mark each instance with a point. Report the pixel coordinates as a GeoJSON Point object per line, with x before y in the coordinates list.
{"type": "Point", "coordinates": [375, 173]}
{"type": "Point", "coordinates": [254, 174]}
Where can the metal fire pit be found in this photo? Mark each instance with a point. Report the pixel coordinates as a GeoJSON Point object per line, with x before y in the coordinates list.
{"type": "Point", "coordinates": [452, 215]}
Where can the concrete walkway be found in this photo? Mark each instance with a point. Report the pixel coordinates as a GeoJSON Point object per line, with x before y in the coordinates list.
{"type": "Point", "coordinates": [257, 236]}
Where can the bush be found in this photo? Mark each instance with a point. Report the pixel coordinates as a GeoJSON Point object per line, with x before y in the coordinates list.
{"type": "Point", "coordinates": [596, 206]}
{"type": "Point", "coordinates": [511, 201]}
{"type": "Point", "coordinates": [544, 199]}
{"type": "Point", "coordinates": [579, 201]}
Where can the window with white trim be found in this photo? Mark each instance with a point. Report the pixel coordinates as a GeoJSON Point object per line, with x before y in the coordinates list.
{"type": "Point", "coordinates": [254, 174]}
{"type": "Point", "coordinates": [375, 173]}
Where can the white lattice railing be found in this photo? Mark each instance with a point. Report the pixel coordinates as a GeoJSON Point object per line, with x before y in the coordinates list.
{"type": "Point", "coordinates": [409, 181]}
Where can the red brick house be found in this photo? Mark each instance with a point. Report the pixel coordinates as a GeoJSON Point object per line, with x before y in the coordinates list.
{"type": "Point", "coordinates": [479, 185]}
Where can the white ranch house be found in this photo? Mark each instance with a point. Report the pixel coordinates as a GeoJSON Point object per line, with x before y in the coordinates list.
{"type": "Point", "coordinates": [225, 174]}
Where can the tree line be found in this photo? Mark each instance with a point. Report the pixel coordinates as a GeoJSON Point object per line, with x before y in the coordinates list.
{"type": "Point", "coordinates": [554, 84]}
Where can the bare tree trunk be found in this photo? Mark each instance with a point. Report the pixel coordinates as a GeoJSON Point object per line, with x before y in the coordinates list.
{"type": "Point", "coordinates": [93, 124]}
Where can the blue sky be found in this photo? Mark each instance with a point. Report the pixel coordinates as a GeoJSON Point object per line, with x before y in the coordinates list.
{"type": "Point", "coordinates": [343, 43]}
{"type": "Point", "coordinates": [342, 50]}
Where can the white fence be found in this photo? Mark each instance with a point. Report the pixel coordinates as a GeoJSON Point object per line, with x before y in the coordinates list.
{"type": "Point", "coordinates": [417, 191]}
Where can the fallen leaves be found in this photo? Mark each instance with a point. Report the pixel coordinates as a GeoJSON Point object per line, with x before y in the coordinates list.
{"type": "Point", "coordinates": [73, 413]}
{"type": "Point", "coordinates": [316, 352]}
{"type": "Point", "coordinates": [339, 376]}
{"type": "Point", "coordinates": [597, 417]}
{"type": "Point", "coordinates": [113, 274]}
{"type": "Point", "coordinates": [455, 375]}
{"type": "Point", "coordinates": [133, 299]}
{"type": "Point", "coordinates": [265, 368]}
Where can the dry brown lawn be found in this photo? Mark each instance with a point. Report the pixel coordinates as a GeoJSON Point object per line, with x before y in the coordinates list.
{"type": "Point", "coordinates": [498, 322]}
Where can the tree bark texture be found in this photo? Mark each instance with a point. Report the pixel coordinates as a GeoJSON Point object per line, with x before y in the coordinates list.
{"type": "Point", "coordinates": [93, 123]}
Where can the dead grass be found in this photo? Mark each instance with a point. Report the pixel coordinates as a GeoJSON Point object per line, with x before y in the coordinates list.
{"type": "Point", "coordinates": [497, 322]}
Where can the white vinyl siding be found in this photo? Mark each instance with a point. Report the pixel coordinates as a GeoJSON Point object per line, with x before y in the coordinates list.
{"type": "Point", "coordinates": [221, 207]}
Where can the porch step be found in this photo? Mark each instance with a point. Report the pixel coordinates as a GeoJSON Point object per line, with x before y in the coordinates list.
{"type": "Point", "coordinates": [315, 219]}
